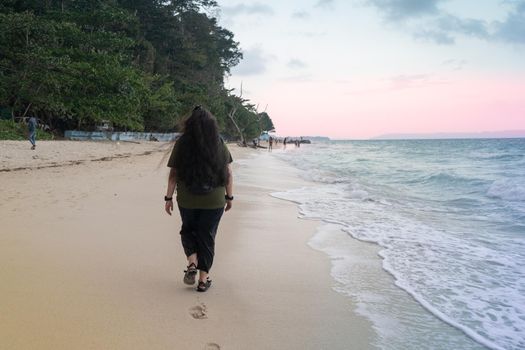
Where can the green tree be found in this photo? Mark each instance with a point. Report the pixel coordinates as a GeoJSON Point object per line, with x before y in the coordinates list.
{"type": "Point", "coordinates": [137, 63]}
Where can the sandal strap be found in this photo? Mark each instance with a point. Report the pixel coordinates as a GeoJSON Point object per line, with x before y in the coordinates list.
{"type": "Point", "coordinates": [189, 268]}
{"type": "Point", "coordinates": [204, 285]}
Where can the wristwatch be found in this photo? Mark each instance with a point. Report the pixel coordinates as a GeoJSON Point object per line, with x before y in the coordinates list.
{"type": "Point", "coordinates": [228, 198]}
{"type": "Point", "coordinates": [167, 199]}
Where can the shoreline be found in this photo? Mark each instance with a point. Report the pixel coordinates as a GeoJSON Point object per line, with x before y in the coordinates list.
{"type": "Point", "coordinates": [362, 272]}
{"type": "Point", "coordinates": [92, 260]}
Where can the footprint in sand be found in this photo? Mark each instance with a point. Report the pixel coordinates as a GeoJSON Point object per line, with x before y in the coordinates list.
{"type": "Point", "coordinates": [198, 312]}
{"type": "Point", "coordinates": [212, 346]}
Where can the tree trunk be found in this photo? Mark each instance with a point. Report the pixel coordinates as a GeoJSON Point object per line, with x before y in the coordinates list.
{"type": "Point", "coordinates": [232, 118]}
{"type": "Point", "coordinates": [27, 109]}
{"type": "Point", "coordinates": [231, 115]}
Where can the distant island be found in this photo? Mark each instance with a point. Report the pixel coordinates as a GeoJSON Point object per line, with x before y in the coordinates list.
{"type": "Point", "coordinates": [458, 135]}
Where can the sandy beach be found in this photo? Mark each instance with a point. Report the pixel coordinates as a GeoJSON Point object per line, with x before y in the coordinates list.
{"type": "Point", "coordinates": [90, 260]}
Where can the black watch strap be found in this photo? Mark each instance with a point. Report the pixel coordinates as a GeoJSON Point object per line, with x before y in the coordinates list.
{"type": "Point", "coordinates": [228, 198]}
{"type": "Point", "coordinates": [166, 198]}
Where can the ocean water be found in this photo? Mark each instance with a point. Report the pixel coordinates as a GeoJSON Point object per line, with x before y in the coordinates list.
{"type": "Point", "coordinates": [447, 219]}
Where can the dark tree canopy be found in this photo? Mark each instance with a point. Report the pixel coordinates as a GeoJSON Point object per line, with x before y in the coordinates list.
{"type": "Point", "coordinates": [139, 64]}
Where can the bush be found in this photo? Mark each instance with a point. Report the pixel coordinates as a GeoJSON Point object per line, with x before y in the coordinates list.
{"type": "Point", "coordinates": [10, 130]}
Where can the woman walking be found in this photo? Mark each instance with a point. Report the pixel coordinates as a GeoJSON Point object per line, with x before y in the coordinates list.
{"type": "Point", "coordinates": [202, 175]}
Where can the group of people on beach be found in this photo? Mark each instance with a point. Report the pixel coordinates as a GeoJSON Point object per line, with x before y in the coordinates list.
{"type": "Point", "coordinates": [296, 142]}
{"type": "Point", "coordinates": [274, 140]}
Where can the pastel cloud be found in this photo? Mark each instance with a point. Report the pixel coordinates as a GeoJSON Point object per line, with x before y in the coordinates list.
{"type": "Point", "coordinates": [300, 15]}
{"type": "Point", "coordinates": [399, 9]}
{"type": "Point", "coordinates": [253, 9]}
{"type": "Point", "coordinates": [254, 62]}
{"type": "Point", "coordinates": [325, 3]}
{"type": "Point", "coordinates": [295, 63]}
{"type": "Point", "coordinates": [513, 28]}
{"type": "Point", "coordinates": [424, 19]}
{"type": "Point", "coordinates": [396, 83]}
{"type": "Point", "coordinates": [454, 64]}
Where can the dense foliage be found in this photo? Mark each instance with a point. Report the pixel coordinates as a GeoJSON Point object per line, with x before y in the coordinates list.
{"type": "Point", "coordinates": [139, 64]}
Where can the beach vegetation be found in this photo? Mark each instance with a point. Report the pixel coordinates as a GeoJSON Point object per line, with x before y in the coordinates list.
{"type": "Point", "coordinates": [10, 130]}
{"type": "Point", "coordinates": [139, 64]}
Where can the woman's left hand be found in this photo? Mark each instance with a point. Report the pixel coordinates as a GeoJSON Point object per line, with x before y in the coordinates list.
{"type": "Point", "coordinates": [168, 207]}
{"type": "Point", "coordinates": [228, 205]}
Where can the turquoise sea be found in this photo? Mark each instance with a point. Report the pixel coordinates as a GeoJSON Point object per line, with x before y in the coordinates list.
{"type": "Point", "coordinates": [448, 220]}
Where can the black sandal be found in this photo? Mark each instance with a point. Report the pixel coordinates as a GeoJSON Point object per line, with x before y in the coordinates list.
{"type": "Point", "coordinates": [189, 274]}
{"type": "Point", "coordinates": [204, 285]}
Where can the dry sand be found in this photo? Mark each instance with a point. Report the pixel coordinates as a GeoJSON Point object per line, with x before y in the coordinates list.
{"type": "Point", "coordinates": [90, 260]}
{"type": "Point", "coordinates": [17, 155]}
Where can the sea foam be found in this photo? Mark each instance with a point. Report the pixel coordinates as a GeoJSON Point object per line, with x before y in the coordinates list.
{"type": "Point", "coordinates": [447, 227]}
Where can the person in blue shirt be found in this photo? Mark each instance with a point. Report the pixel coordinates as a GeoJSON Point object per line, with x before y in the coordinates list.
{"type": "Point", "coordinates": [31, 126]}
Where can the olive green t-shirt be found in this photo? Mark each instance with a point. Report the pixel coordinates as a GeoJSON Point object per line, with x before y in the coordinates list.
{"type": "Point", "coordinates": [186, 199]}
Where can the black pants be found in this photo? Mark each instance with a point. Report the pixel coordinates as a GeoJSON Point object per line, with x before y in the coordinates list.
{"type": "Point", "coordinates": [199, 227]}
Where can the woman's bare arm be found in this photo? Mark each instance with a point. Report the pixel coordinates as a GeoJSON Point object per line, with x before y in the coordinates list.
{"type": "Point", "coordinates": [229, 187]}
{"type": "Point", "coordinates": [172, 183]}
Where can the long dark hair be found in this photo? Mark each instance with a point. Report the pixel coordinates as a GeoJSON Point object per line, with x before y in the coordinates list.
{"type": "Point", "coordinates": [200, 156]}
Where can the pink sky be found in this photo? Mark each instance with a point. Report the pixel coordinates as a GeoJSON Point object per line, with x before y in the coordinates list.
{"type": "Point", "coordinates": [359, 69]}
{"type": "Point", "coordinates": [367, 108]}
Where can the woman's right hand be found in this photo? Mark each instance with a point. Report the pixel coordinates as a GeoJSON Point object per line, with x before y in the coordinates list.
{"type": "Point", "coordinates": [228, 205]}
